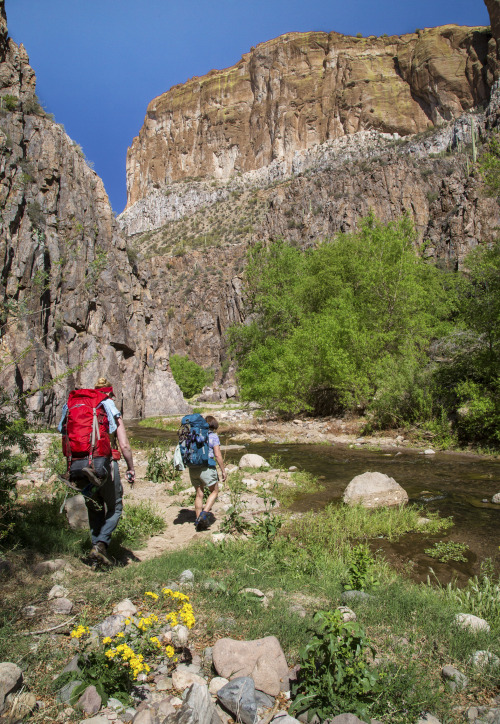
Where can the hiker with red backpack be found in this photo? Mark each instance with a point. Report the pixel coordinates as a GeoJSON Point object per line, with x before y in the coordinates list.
{"type": "Point", "coordinates": [89, 424]}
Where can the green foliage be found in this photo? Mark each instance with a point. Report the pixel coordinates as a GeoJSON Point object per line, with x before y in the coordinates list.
{"type": "Point", "coordinates": [190, 377]}
{"type": "Point", "coordinates": [13, 433]}
{"type": "Point", "coordinates": [138, 523]}
{"type": "Point", "coordinates": [446, 551]}
{"type": "Point", "coordinates": [161, 467]}
{"type": "Point", "coordinates": [266, 527]}
{"type": "Point", "coordinates": [233, 521]}
{"type": "Point", "coordinates": [10, 102]}
{"type": "Point", "coordinates": [489, 166]}
{"type": "Point", "coordinates": [481, 597]}
{"type": "Point", "coordinates": [335, 675]}
{"type": "Point", "coordinates": [330, 325]}
{"type": "Point", "coordinates": [360, 576]}
{"type": "Point", "coordinates": [54, 460]}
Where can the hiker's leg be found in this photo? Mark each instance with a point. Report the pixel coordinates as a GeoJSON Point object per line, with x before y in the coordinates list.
{"type": "Point", "coordinates": [95, 510]}
{"type": "Point", "coordinates": [213, 493]}
{"type": "Point", "coordinates": [198, 501]}
{"type": "Point", "coordinates": [210, 479]}
{"type": "Point", "coordinates": [111, 494]}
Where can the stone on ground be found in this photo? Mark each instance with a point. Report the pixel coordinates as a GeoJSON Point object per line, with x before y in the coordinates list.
{"type": "Point", "coordinates": [374, 490]}
{"type": "Point", "coordinates": [239, 697]}
{"type": "Point", "coordinates": [76, 513]}
{"type": "Point", "coordinates": [90, 701]}
{"type": "Point", "coordinates": [251, 460]}
{"type": "Point", "coordinates": [262, 659]}
{"type": "Point", "coordinates": [11, 679]}
{"type": "Point", "coordinates": [467, 620]}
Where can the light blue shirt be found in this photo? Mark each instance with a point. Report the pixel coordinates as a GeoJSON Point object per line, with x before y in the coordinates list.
{"type": "Point", "coordinates": [112, 412]}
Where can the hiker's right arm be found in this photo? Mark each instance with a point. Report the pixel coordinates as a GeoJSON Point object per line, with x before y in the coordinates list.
{"type": "Point", "coordinates": [124, 444]}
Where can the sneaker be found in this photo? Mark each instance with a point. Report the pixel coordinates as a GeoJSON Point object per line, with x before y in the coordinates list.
{"type": "Point", "coordinates": [202, 521]}
{"type": "Point", "coordinates": [92, 477]}
{"type": "Point", "coordinates": [100, 554]}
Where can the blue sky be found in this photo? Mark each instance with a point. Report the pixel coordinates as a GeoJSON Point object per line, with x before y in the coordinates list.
{"type": "Point", "coordinates": [99, 62]}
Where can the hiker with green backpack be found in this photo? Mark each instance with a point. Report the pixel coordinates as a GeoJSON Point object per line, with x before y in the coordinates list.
{"type": "Point", "coordinates": [199, 447]}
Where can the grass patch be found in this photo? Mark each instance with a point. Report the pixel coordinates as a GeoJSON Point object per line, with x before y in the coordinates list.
{"type": "Point", "coordinates": [160, 423]}
{"type": "Point", "coordinates": [303, 484]}
{"type": "Point", "coordinates": [138, 523]}
{"type": "Point", "coordinates": [335, 527]}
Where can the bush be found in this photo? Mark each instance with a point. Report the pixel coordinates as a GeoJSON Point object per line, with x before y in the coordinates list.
{"type": "Point", "coordinates": [335, 675]}
{"type": "Point", "coordinates": [190, 377]}
{"type": "Point", "coordinates": [13, 433]}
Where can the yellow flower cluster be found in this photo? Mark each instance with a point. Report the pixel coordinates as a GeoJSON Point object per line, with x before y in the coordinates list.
{"type": "Point", "coordinates": [156, 641]}
{"type": "Point", "coordinates": [146, 622]}
{"type": "Point", "coordinates": [184, 614]}
{"type": "Point", "coordinates": [79, 631]}
{"type": "Point", "coordinates": [170, 652]}
{"type": "Point", "coordinates": [128, 656]}
{"type": "Point", "coordinates": [154, 596]}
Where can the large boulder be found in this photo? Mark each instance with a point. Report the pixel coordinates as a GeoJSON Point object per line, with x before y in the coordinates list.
{"type": "Point", "coordinates": [263, 660]}
{"type": "Point", "coordinates": [251, 460]}
{"type": "Point", "coordinates": [374, 490]}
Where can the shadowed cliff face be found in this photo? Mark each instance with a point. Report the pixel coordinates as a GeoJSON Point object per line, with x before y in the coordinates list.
{"type": "Point", "coordinates": [303, 89]}
{"type": "Point", "coordinates": [70, 299]}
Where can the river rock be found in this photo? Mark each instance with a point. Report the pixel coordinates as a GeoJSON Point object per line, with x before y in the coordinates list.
{"type": "Point", "coordinates": [183, 677]}
{"type": "Point", "coordinates": [467, 620]}
{"type": "Point", "coordinates": [481, 659]}
{"type": "Point", "coordinates": [262, 659]}
{"type": "Point", "coordinates": [21, 705]}
{"type": "Point", "coordinates": [454, 678]}
{"type": "Point", "coordinates": [61, 605]}
{"type": "Point", "coordinates": [76, 513]}
{"type": "Point", "coordinates": [239, 697]}
{"type": "Point", "coordinates": [374, 490]}
{"type": "Point", "coordinates": [90, 701]}
{"type": "Point", "coordinates": [125, 608]}
{"type": "Point", "coordinates": [11, 679]}
{"type": "Point", "coordinates": [251, 460]}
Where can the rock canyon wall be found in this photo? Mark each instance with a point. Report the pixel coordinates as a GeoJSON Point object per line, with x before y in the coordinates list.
{"type": "Point", "coordinates": [301, 138]}
{"type": "Point", "coordinates": [71, 302]}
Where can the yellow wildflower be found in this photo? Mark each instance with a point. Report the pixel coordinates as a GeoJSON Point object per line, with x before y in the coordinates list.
{"type": "Point", "coordinates": [154, 596]}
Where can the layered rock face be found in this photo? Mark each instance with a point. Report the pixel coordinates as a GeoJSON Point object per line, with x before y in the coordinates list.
{"type": "Point", "coordinates": [304, 89]}
{"type": "Point", "coordinates": [71, 303]}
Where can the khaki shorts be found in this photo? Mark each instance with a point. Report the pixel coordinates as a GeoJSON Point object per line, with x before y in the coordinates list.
{"type": "Point", "coordinates": [206, 477]}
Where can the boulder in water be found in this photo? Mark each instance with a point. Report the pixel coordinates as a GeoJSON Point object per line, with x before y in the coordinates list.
{"type": "Point", "coordinates": [374, 490]}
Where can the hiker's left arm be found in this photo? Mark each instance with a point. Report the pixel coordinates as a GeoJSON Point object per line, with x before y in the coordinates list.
{"type": "Point", "coordinates": [218, 457]}
{"type": "Point", "coordinates": [124, 444]}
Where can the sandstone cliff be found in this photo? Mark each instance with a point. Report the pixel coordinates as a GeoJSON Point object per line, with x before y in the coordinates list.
{"type": "Point", "coordinates": [70, 299]}
{"type": "Point", "coordinates": [303, 89]}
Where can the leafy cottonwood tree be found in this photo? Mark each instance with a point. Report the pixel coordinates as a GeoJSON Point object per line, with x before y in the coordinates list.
{"type": "Point", "coordinates": [330, 327]}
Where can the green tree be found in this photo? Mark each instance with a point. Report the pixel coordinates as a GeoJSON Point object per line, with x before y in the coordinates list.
{"type": "Point", "coordinates": [330, 327]}
{"type": "Point", "coordinates": [190, 376]}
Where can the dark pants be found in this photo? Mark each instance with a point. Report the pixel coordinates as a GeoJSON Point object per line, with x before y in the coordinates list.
{"type": "Point", "coordinates": [104, 505]}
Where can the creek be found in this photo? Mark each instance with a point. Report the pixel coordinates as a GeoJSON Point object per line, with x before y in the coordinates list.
{"type": "Point", "coordinates": [451, 484]}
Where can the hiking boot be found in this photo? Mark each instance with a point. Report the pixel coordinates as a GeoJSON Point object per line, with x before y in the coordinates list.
{"type": "Point", "coordinates": [202, 521]}
{"type": "Point", "coordinates": [92, 477]}
{"type": "Point", "coordinates": [99, 553]}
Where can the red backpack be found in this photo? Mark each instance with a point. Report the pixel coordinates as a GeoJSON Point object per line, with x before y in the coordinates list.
{"type": "Point", "coordinates": [86, 427]}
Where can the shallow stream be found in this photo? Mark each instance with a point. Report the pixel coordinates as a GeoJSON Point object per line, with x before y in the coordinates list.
{"type": "Point", "coordinates": [452, 484]}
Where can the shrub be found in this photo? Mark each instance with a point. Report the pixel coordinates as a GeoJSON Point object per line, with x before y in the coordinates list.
{"type": "Point", "coordinates": [161, 467]}
{"type": "Point", "coordinates": [335, 675]}
{"type": "Point", "coordinates": [10, 102]}
{"type": "Point", "coordinates": [190, 377]}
